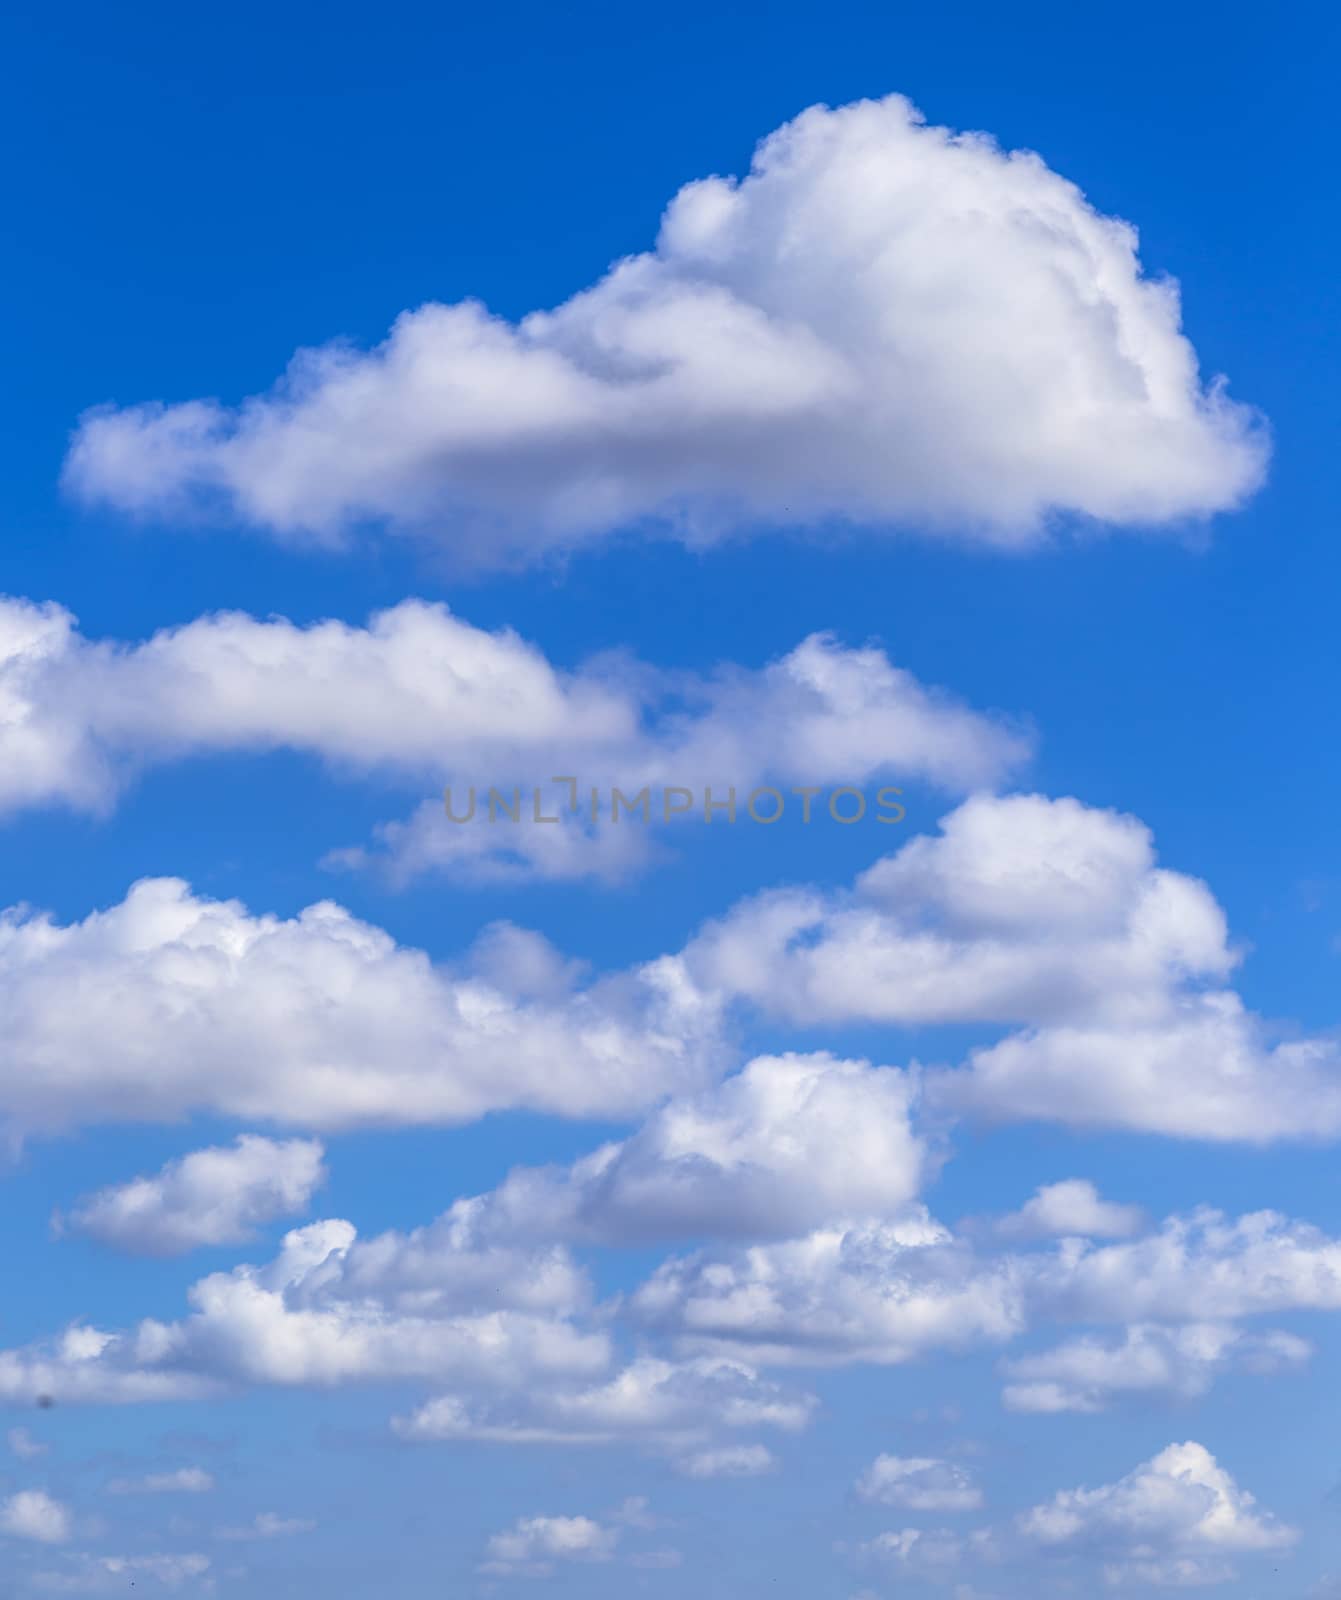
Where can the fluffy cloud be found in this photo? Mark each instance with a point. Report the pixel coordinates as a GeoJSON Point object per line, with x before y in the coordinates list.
{"type": "Point", "coordinates": [330, 1311]}
{"type": "Point", "coordinates": [919, 1483]}
{"type": "Point", "coordinates": [1167, 1516]}
{"type": "Point", "coordinates": [1204, 1068]}
{"type": "Point", "coordinates": [1176, 1521]}
{"type": "Point", "coordinates": [933, 1554]}
{"type": "Point", "coordinates": [1021, 909]}
{"type": "Point", "coordinates": [1196, 1268]}
{"type": "Point", "coordinates": [883, 323]}
{"type": "Point", "coordinates": [1056, 918]}
{"type": "Point", "coordinates": [890, 1292]}
{"type": "Point", "coordinates": [1072, 1207]}
{"type": "Point", "coordinates": [424, 698]}
{"type": "Point", "coordinates": [186, 1004]}
{"type": "Point", "coordinates": [787, 1143]}
{"type": "Point", "coordinates": [882, 1293]}
{"type": "Point", "coordinates": [1089, 1374]}
{"type": "Point", "coordinates": [210, 1197]}
{"type": "Point", "coordinates": [531, 1548]}
{"type": "Point", "coordinates": [33, 1514]}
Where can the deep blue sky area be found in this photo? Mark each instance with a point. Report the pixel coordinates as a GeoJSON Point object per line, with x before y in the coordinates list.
{"type": "Point", "coordinates": [192, 193]}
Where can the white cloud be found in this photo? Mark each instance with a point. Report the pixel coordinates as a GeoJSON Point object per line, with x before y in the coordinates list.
{"type": "Point", "coordinates": [192, 1005]}
{"type": "Point", "coordinates": [330, 1311]}
{"type": "Point", "coordinates": [875, 1292]}
{"type": "Point", "coordinates": [185, 1480]}
{"type": "Point", "coordinates": [1054, 917]}
{"type": "Point", "coordinates": [919, 1483]}
{"type": "Point", "coordinates": [1180, 1504]}
{"type": "Point", "coordinates": [1073, 1206]}
{"type": "Point", "coordinates": [1175, 1521]}
{"type": "Point", "coordinates": [1088, 1374]}
{"type": "Point", "coordinates": [85, 1365]}
{"type": "Point", "coordinates": [1204, 1267]}
{"type": "Point", "coordinates": [884, 323]}
{"type": "Point", "coordinates": [24, 1446]}
{"type": "Point", "coordinates": [1021, 909]}
{"type": "Point", "coordinates": [885, 1293]}
{"type": "Point", "coordinates": [1206, 1068]}
{"type": "Point", "coordinates": [33, 1514]}
{"type": "Point", "coordinates": [932, 1553]}
{"type": "Point", "coordinates": [210, 1197]}
{"type": "Point", "coordinates": [531, 1548]}
{"type": "Point", "coordinates": [679, 1408]}
{"type": "Point", "coordinates": [785, 1144]}
{"type": "Point", "coordinates": [424, 698]}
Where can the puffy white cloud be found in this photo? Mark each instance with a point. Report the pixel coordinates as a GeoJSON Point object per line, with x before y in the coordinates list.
{"type": "Point", "coordinates": [1089, 1374]}
{"type": "Point", "coordinates": [187, 1004]}
{"type": "Point", "coordinates": [1206, 1068]}
{"type": "Point", "coordinates": [1196, 1268]}
{"type": "Point", "coordinates": [185, 1480]}
{"type": "Point", "coordinates": [884, 323]}
{"type": "Point", "coordinates": [1072, 1207]}
{"type": "Point", "coordinates": [33, 1514]}
{"type": "Point", "coordinates": [414, 689]}
{"type": "Point", "coordinates": [328, 1311]}
{"type": "Point", "coordinates": [420, 695]}
{"type": "Point", "coordinates": [919, 1483]}
{"type": "Point", "coordinates": [215, 1196]}
{"type": "Point", "coordinates": [877, 1292]}
{"type": "Point", "coordinates": [455, 1264]}
{"type": "Point", "coordinates": [534, 1544]}
{"type": "Point", "coordinates": [1021, 909]}
{"type": "Point", "coordinates": [784, 1145]}
{"type": "Point", "coordinates": [324, 1313]}
{"type": "Point", "coordinates": [1180, 1504]}
{"type": "Point", "coordinates": [1053, 917]}
{"type": "Point", "coordinates": [1175, 1521]}
{"type": "Point", "coordinates": [889, 1292]}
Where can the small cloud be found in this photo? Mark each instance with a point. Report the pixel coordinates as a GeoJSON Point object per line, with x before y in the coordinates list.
{"type": "Point", "coordinates": [33, 1514]}
{"type": "Point", "coordinates": [186, 1480]}
{"type": "Point", "coordinates": [268, 1525]}
{"type": "Point", "coordinates": [735, 1461]}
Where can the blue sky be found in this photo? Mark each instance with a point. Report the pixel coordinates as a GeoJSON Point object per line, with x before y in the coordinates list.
{"type": "Point", "coordinates": [925, 1254]}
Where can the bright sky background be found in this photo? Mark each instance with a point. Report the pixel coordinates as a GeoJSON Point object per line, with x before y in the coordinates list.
{"type": "Point", "coordinates": [818, 1212]}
